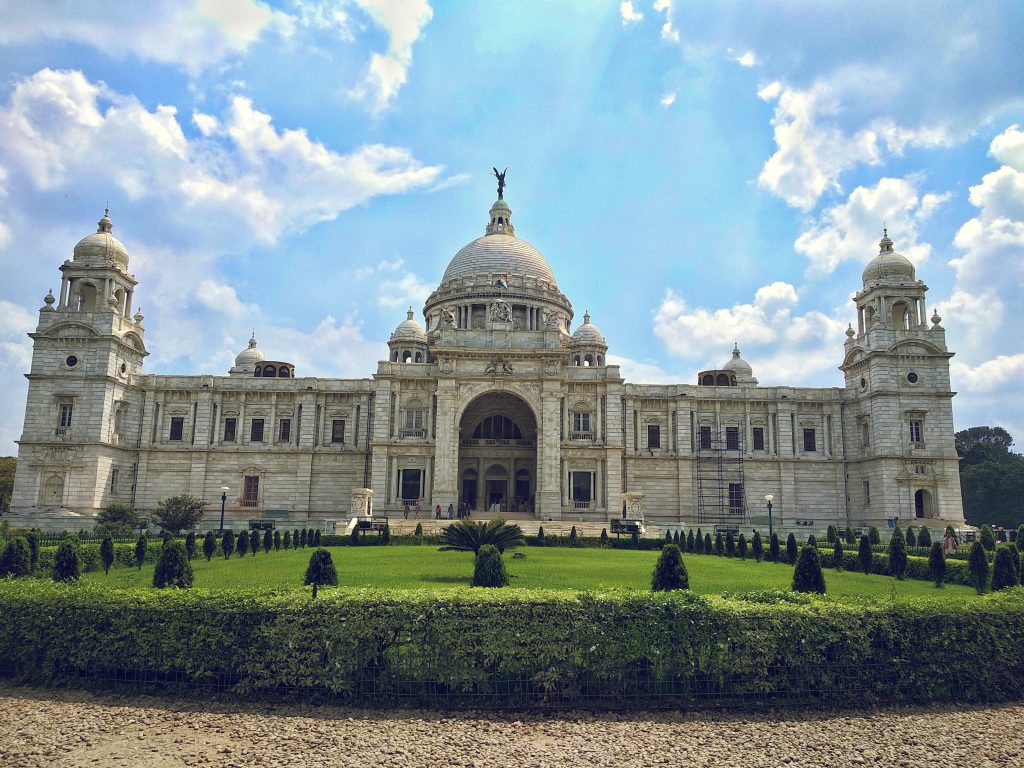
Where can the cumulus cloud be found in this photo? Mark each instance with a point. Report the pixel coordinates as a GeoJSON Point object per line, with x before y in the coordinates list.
{"type": "Point", "coordinates": [668, 30]}
{"type": "Point", "coordinates": [630, 15]}
{"type": "Point", "coordinates": [747, 59]}
{"type": "Point", "coordinates": [668, 99]}
{"type": "Point", "coordinates": [641, 371]}
{"type": "Point", "coordinates": [223, 298]}
{"type": "Point", "coordinates": [405, 290]}
{"type": "Point", "coordinates": [850, 230]}
{"type": "Point", "coordinates": [15, 359]}
{"type": "Point", "coordinates": [403, 21]}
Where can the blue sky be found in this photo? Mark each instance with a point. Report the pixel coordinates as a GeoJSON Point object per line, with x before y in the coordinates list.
{"type": "Point", "coordinates": [695, 173]}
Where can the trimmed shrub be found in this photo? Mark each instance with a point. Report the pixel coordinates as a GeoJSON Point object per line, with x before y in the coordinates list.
{"type": "Point", "coordinates": [719, 545]}
{"type": "Point", "coordinates": [911, 537]}
{"type": "Point", "coordinates": [17, 559]}
{"type": "Point", "coordinates": [321, 570]}
{"type": "Point", "coordinates": [977, 567]}
{"type": "Point", "coordinates": [254, 542]}
{"type": "Point", "coordinates": [670, 571]}
{"type": "Point", "coordinates": [316, 537]}
{"type": "Point", "coordinates": [190, 545]}
{"type": "Point", "coordinates": [757, 546]}
{"type": "Point", "coordinates": [540, 536]}
{"type": "Point", "coordinates": [812, 541]}
{"type": "Point", "coordinates": [837, 555]}
{"type": "Point", "coordinates": [33, 547]}
{"type": "Point", "coordinates": [730, 545]}
{"type": "Point", "coordinates": [897, 554]}
{"type": "Point", "coordinates": [873, 536]}
{"type": "Point", "coordinates": [574, 538]}
{"type": "Point", "coordinates": [286, 540]}
{"type": "Point", "coordinates": [1003, 573]}
{"type": "Point", "coordinates": [924, 537]}
{"type": "Point", "coordinates": [268, 541]}
{"type": "Point", "coordinates": [987, 537]}
{"type": "Point", "coordinates": [1020, 537]}
{"type": "Point", "coordinates": [227, 543]}
{"type": "Point", "coordinates": [107, 554]}
{"type": "Point", "coordinates": [385, 536]}
{"type": "Point", "coordinates": [707, 543]}
{"type": "Point", "coordinates": [277, 541]}
{"type": "Point", "coordinates": [791, 549]}
{"type": "Point", "coordinates": [937, 563]}
{"type": "Point", "coordinates": [141, 545]}
{"type": "Point", "coordinates": [242, 543]}
{"type": "Point", "coordinates": [209, 545]}
{"type": "Point", "coordinates": [864, 554]}
{"type": "Point", "coordinates": [773, 548]}
{"type": "Point", "coordinates": [418, 533]}
{"type": "Point", "coordinates": [675, 538]}
{"type": "Point", "coordinates": [690, 545]}
{"type": "Point", "coordinates": [302, 538]}
{"type": "Point", "coordinates": [668, 535]}
{"type": "Point", "coordinates": [67, 564]}
{"type": "Point", "coordinates": [741, 545]}
{"type": "Point", "coordinates": [699, 543]}
{"type": "Point", "coordinates": [1016, 559]}
{"type": "Point", "coordinates": [604, 537]}
{"type": "Point", "coordinates": [353, 539]}
{"type": "Point", "coordinates": [489, 568]}
{"type": "Point", "coordinates": [832, 534]}
{"type": "Point", "coordinates": [851, 537]}
{"type": "Point", "coordinates": [807, 576]}
{"type": "Point", "coordinates": [635, 540]}
{"type": "Point", "coordinates": [173, 568]}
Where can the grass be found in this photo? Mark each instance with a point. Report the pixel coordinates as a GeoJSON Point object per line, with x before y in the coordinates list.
{"type": "Point", "coordinates": [412, 567]}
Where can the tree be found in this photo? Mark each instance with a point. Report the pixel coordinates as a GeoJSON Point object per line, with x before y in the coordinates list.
{"type": "Point", "coordinates": [865, 554]}
{"type": "Point", "coordinates": [33, 547]}
{"type": "Point", "coordinates": [540, 536]}
{"type": "Point", "coordinates": [604, 537]}
{"type": "Point", "coordinates": [924, 537]}
{"type": "Point", "coordinates": [242, 543]}
{"type": "Point", "coordinates": [107, 554]}
{"type": "Point", "coordinates": [730, 545]}
{"type": "Point", "coordinates": [719, 545]}
{"type": "Point", "coordinates": [268, 541]}
{"type": "Point", "coordinates": [1004, 574]}
{"type": "Point", "coordinates": [690, 545]}
{"type": "Point", "coordinates": [988, 537]}
{"type": "Point", "coordinates": [116, 519]}
{"type": "Point", "coordinates": [302, 539]}
{"type": "Point", "coordinates": [67, 563]}
{"type": "Point", "coordinates": [316, 537]}
{"type": "Point", "coordinates": [176, 513]}
{"type": "Point", "coordinates": [286, 542]}
{"type": "Point", "coordinates": [837, 555]}
{"type": "Point", "coordinates": [385, 536]}
{"type": "Point", "coordinates": [670, 571]}
{"type": "Point", "coordinates": [977, 567]}
{"type": "Point", "coordinates": [173, 569]}
{"type": "Point", "coordinates": [707, 543]}
{"type": "Point", "coordinates": [757, 546]}
{"type": "Point", "coordinates": [209, 545]}
{"type": "Point", "coordinates": [7, 466]}
{"type": "Point", "coordinates": [898, 554]}
{"type": "Point", "coordinates": [741, 545]}
{"type": "Point", "coordinates": [141, 545]}
{"type": "Point", "coordinates": [807, 576]}
{"type": "Point", "coordinates": [851, 537]}
{"type": "Point", "coordinates": [1020, 537]}
{"type": "Point", "coordinates": [911, 537]}
{"type": "Point", "coordinates": [320, 570]}
{"type": "Point", "coordinates": [489, 568]}
{"type": "Point", "coordinates": [668, 535]}
{"type": "Point", "coordinates": [675, 538]}
{"type": "Point", "coordinates": [227, 543]}
{"type": "Point", "coordinates": [254, 542]}
{"type": "Point", "coordinates": [991, 476]}
{"type": "Point", "coordinates": [190, 545]}
{"type": "Point", "coordinates": [791, 550]}
{"type": "Point", "coordinates": [874, 536]}
{"type": "Point", "coordinates": [699, 543]}
{"type": "Point", "coordinates": [773, 548]}
{"type": "Point", "coordinates": [277, 541]}
{"type": "Point", "coordinates": [469, 536]}
{"type": "Point", "coordinates": [937, 564]}
{"type": "Point", "coordinates": [812, 541]}
{"type": "Point", "coordinates": [832, 535]}
{"type": "Point", "coordinates": [16, 561]}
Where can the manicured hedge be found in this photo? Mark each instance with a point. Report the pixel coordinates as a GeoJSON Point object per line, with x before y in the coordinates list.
{"type": "Point", "coordinates": [503, 646]}
{"type": "Point", "coordinates": [917, 567]}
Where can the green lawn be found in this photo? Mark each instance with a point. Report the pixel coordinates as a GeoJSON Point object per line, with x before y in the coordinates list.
{"type": "Point", "coordinates": [412, 567]}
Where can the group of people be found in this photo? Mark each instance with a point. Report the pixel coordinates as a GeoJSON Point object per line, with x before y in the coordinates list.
{"type": "Point", "coordinates": [416, 511]}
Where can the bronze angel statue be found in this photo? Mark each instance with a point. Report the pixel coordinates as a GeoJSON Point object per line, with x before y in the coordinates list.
{"type": "Point", "coordinates": [501, 181]}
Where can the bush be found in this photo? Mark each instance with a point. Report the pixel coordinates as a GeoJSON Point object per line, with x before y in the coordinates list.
{"type": "Point", "coordinates": [807, 576]}
{"type": "Point", "coordinates": [67, 565]}
{"type": "Point", "coordinates": [924, 537]}
{"type": "Point", "coordinates": [385, 536]}
{"type": "Point", "coordinates": [707, 543]}
{"type": "Point", "coordinates": [242, 543]}
{"type": "Point", "coordinates": [254, 542]}
{"type": "Point", "coordinates": [1004, 574]}
{"type": "Point", "coordinates": [851, 537]}
{"type": "Point", "coordinates": [837, 555]}
{"type": "Point", "coordinates": [317, 537]}
{"type": "Point", "coordinates": [865, 554]}
{"type": "Point", "coordinates": [268, 541]}
{"type": "Point", "coordinates": [277, 541]}
{"type": "Point", "coordinates": [418, 533]}
{"type": "Point", "coordinates": [773, 548]}
{"type": "Point", "coordinates": [897, 554]}
{"type": "Point", "coordinates": [675, 538]}
{"type": "Point", "coordinates": [321, 570]}
{"type": "Point", "coordinates": [209, 545]}
{"type": "Point", "coordinates": [574, 538]}
{"type": "Point", "coordinates": [190, 545]}
{"type": "Point", "coordinates": [540, 536]}
{"type": "Point", "coordinates": [16, 561]}
{"type": "Point", "coordinates": [107, 554]}
{"type": "Point", "coordinates": [741, 545]}
{"type": "Point", "coordinates": [141, 545]}
{"type": "Point", "coordinates": [791, 550]}
{"type": "Point", "coordinates": [302, 539]}
{"type": "Point", "coordinates": [719, 545]}
{"type": "Point", "coordinates": [668, 535]}
{"type": "Point", "coordinates": [489, 568]}
{"type": "Point", "coordinates": [812, 541]}
{"type": "Point", "coordinates": [173, 569]}
{"type": "Point", "coordinates": [699, 543]}
{"type": "Point", "coordinates": [911, 538]}
{"type": "Point", "coordinates": [832, 534]}
{"type": "Point", "coordinates": [690, 545]}
{"type": "Point", "coordinates": [670, 571]}
{"type": "Point", "coordinates": [730, 545]}
{"type": "Point", "coordinates": [353, 538]}
{"type": "Point", "coordinates": [604, 537]}
{"type": "Point", "coordinates": [116, 519]}
{"type": "Point", "coordinates": [286, 541]}
{"type": "Point", "coordinates": [988, 537]}
{"type": "Point", "coordinates": [757, 546]}
{"type": "Point", "coordinates": [227, 543]}
{"type": "Point", "coordinates": [33, 547]}
{"type": "Point", "coordinates": [977, 567]}
{"type": "Point", "coordinates": [873, 535]}
{"type": "Point", "coordinates": [937, 563]}
{"type": "Point", "coordinates": [176, 513]}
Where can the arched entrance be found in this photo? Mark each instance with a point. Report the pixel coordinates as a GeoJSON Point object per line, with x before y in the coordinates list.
{"type": "Point", "coordinates": [923, 504]}
{"type": "Point", "coordinates": [498, 455]}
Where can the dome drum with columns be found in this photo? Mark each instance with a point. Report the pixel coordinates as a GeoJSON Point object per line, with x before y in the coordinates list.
{"type": "Point", "coordinates": [494, 404]}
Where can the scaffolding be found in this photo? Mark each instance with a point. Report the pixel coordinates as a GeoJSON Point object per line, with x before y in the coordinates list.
{"type": "Point", "coordinates": [721, 494]}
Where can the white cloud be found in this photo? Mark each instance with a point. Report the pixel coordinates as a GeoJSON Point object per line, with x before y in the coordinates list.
{"type": "Point", "coordinates": [851, 230]}
{"type": "Point", "coordinates": [999, 373]}
{"type": "Point", "coordinates": [407, 289]}
{"type": "Point", "coordinates": [5, 235]}
{"type": "Point", "coordinates": [403, 20]}
{"type": "Point", "coordinates": [668, 99]}
{"type": "Point", "coordinates": [1008, 147]}
{"type": "Point", "coordinates": [642, 372]}
{"type": "Point", "coordinates": [668, 30]}
{"type": "Point", "coordinates": [223, 298]}
{"type": "Point", "coordinates": [747, 59]}
{"type": "Point", "coordinates": [629, 14]}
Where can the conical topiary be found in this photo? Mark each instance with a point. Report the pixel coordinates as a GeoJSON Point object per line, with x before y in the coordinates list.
{"type": "Point", "coordinates": [670, 571]}
{"type": "Point", "coordinates": [489, 568]}
{"type": "Point", "coordinates": [773, 548]}
{"type": "Point", "coordinates": [286, 540]}
{"type": "Point", "coordinates": [937, 563]}
{"type": "Point", "coordinates": [1003, 573]}
{"type": "Point", "coordinates": [897, 554]}
{"type": "Point", "coordinates": [173, 568]}
{"type": "Point", "coordinates": [911, 537]}
{"type": "Point", "coordinates": [741, 545]}
{"type": "Point", "coordinates": [977, 567]}
{"type": "Point", "coordinates": [67, 563]}
{"type": "Point", "coordinates": [865, 554]}
{"type": "Point", "coordinates": [791, 549]}
{"type": "Point", "coordinates": [831, 535]}
{"type": "Point", "coordinates": [837, 555]}
{"type": "Point", "coordinates": [699, 543]}
{"type": "Point", "coordinates": [140, 550]}
{"type": "Point", "coordinates": [924, 537]}
{"type": "Point", "coordinates": [719, 545]}
{"type": "Point", "coordinates": [707, 543]}
{"type": "Point", "coordinates": [107, 554]}
{"type": "Point", "coordinates": [873, 536]}
{"type": "Point", "coordinates": [320, 570]}
{"type": "Point", "coordinates": [851, 537]}
{"type": "Point", "coordinates": [190, 544]}
{"type": "Point", "coordinates": [243, 543]}
{"type": "Point", "coordinates": [757, 546]}
{"type": "Point", "coordinates": [807, 576]}
{"type": "Point", "coordinates": [209, 545]}
{"type": "Point", "coordinates": [690, 545]}
{"type": "Point", "coordinates": [16, 561]}
{"type": "Point", "coordinates": [277, 541]}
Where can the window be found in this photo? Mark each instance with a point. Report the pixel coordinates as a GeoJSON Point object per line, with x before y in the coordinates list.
{"type": "Point", "coordinates": [115, 476]}
{"type": "Point", "coordinates": [916, 433]}
{"type": "Point", "coordinates": [251, 487]}
{"type": "Point", "coordinates": [497, 428]}
{"type": "Point", "coordinates": [732, 438]}
{"type": "Point", "coordinates": [177, 427]}
{"type": "Point", "coordinates": [338, 431]}
{"type": "Point", "coordinates": [413, 423]}
{"type": "Point", "coordinates": [735, 497]}
{"type": "Point", "coordinates": [581, 423]}
{"type": "Point", "coordinates": [920, 469]}
{"type": "Point", "coordinates": [65, 415]}
{"type": "Point", "coordinates": [582, 488]}
{"type": "Point", "coordinates": [810, 441]}
{"type": "Point", "coordinates": [705, 438]}
{"type": "Point", "coordinates": [284, 431]}
{"type": "Point", "coordinates": [229, 430]}
{"type": "Point", "coordinates": [865, 435]}
{"type": "Point", "coordinates": [410, 482]}
{"type": "Point", "coordinates": [867, 493]}
{"type": "Point", "coordinates": [653, 436]}
{"type": "Point", "coordinates": [758, 438]}
{"type": "Point", "coordinates": [256, 431]}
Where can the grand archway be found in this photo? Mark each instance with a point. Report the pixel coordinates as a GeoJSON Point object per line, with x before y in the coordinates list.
{"type": "Point", "coordinates": [498, 455]}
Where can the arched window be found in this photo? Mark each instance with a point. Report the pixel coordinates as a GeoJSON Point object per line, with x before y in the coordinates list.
{"type": "Point", "coordinates": [283, 372]}
{"type": "Point", "coordinates": [394, 356]}
{"type": "Point", "coordinates": [600, 360]}
{"type": "Point", "coordinates": [901, 316]}
{"type": "Point", "coordinates": [497, 428]}
{"type": "Point", "coordinates": [722, 380]}
{"type": "Point", "coordinates": [85, 297]}
{"type": "Point", "coordinates": [576, 360]}
{"type": "Point", "coordinates": [732, 381]}
{"type": "Point", "coordinates": [419, 357]}
{"type": "Point", "coordinates": [588, 361]}
{"type": "Point", "coordinates": [269, 371]}
{"type": "Point", "coordinates": [259, 370]}
{"type": "Point", "coordinates": [708, 380]}
{"type": "Point", "coordinates": [53, 491]}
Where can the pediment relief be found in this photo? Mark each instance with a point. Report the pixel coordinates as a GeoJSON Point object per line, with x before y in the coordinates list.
{"type": "Point", "coordinates": [70, 331]}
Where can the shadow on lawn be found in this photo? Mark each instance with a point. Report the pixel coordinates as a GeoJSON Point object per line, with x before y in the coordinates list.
{"type": "Point", "coordinates": [447, 579]}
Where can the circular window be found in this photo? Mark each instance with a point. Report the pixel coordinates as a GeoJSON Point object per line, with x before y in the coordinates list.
{"type": "Point", "coordinates": [863, 382]}
{"type": "Point", "coordinates": [71, 361]}
{"type": "Point", "coordinates": [124, 368]}
{"type": "Point", "coordinates": [912, 377]}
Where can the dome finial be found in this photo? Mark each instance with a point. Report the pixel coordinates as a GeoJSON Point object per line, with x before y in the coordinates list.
{"type": "Point", "coordinates": [735, 349]}
{"type": "Point", "coordinates": [252, 339]}
{"type": "Point", "coordinates": [409, 314]}
{"type": "Point", "coordinates": [586, 317]}
{"type": "Point", "coordinates": [885, 244]}
{"type": "Point", "coordinates": [105, 224]}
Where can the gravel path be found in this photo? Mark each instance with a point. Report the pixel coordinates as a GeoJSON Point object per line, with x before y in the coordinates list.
{"type": "Point", "coordinates": [74, 728]}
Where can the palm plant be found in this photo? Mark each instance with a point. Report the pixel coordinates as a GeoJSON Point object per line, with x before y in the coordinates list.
{"type": "Point", "coordinates": [469, 536]}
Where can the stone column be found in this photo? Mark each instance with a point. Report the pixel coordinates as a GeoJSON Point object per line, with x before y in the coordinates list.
{"type": "Point", "coordinates": [548, 453]}
{"type": "Point", "coordinates": [446, 451]}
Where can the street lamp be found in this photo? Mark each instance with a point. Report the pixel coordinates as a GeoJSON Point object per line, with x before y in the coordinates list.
{"type": "Point", "coordinates": [223, 500]}
{"type": "Point", "coordinates": [769, 498]}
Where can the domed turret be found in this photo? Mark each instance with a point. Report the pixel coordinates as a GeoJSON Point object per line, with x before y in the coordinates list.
{"type": "Point", "coordinates": [409, 330]}
{"type": "Point", "coordinates": [888, 265]}
{"type": "Point", "coordinates": [102, 248]}
{"type": "Point", "coordinates": [735, 372]}
{"type": "Point", "coordinates": [588, 345]}
{"type": "Point", "coordinates": [247, 360]}
{"type": "Point", "coordinates": [408, 344]}
{"type": "Point", "coordinates": [737, 363]}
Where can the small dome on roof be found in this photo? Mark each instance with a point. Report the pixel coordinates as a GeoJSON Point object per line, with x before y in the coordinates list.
{"type": "Point", "coordinates": [250, 355]}
{"type": "Point", "coordinates": [409, 330]}
{"type": "Point", "coordinates": [588, 333]}
{"type": "Point", "coordinates": [737, 364]}
{"type": "Point", "coordinates": [888, 265]}
{"type": "Point", "coordinates": [101, 248]}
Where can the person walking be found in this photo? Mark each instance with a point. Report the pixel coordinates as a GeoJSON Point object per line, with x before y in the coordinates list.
{"type": "Point", "coordinates": [437, 512]}
{"type": "Point", "coordinates": [418, 510]}
{"type": "Point", "coordinates": [451, 511]}
{"type": "Point", "coordinates": [405, 511]}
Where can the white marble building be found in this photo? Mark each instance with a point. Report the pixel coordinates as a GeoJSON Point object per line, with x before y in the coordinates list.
{"type": "Point", "coordinates": [494, 399]}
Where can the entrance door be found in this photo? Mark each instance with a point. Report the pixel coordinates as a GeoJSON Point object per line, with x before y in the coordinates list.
{"type": "Point", "coordinates": [922, 504]}
{"type": "Point", "coordinates": [469, 488]}
{"type": "Point", "coordinates": [496, 491]}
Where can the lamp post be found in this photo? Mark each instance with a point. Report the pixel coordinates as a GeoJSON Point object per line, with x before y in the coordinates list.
{"type": "Point", "coordinates": [769, 499]}
{"type": "Point", "coordinates": [223, 500]}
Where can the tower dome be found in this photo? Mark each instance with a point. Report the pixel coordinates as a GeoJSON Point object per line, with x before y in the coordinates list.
{"type": "Point", "coordinates": [588, 346]}
{"type": "Point", "coordinates": [250, 355]}
{"type": "Point", "coordinates": [588, 333]}
{"type": "Point", "coordinates": [737, 364]}
{"type": "Point", "coordinates": [101, 248]}
{"type": "Point", "coordinates": [888, 265]}
{"type": "Point", "coordinates": [409, 330]}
